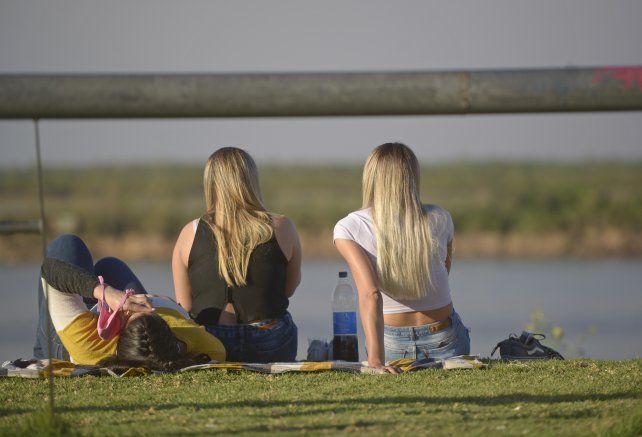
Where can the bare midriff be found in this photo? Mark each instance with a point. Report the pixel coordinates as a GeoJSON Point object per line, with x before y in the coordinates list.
{"type": "Point", "coordinates": [418, 318]}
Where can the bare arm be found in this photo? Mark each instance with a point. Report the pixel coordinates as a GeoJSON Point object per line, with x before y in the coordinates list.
{"type": "Point", "coordinates": [293, 273]}
{"type": "Point", "coordinates": [370, 301]}
{"type": "Point", "coordinates": [180, 258]}
{"type": "Point", "coordinates": [289, 242]}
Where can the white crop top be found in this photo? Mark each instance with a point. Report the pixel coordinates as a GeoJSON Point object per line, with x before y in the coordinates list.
{"type": "Point", "coordinates": [358, 227]}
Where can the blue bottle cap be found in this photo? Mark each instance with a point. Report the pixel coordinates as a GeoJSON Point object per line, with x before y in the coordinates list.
{"type": "Point", "coordinates": [343, 274]}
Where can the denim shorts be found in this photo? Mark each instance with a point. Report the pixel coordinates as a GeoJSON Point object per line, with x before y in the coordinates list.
{"type": "Point", "coordinates": [417, 342]}
{"type": "Point", "coordinates": [259, 342]}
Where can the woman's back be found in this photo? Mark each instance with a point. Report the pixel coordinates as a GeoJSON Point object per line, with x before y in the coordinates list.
{"type": "Point", "coordinates": [235, 270]}
{"type": "Point", "coordinates": [263, 296]}
{"type": "Point", "coordinates": [358, 226]}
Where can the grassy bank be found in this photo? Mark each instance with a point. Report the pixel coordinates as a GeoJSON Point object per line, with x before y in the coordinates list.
{"type": "Point", "coordinates": [508, 209]}
{"type": "Point", "coordinates": [591, 244]}
{"type": "Point", "coordinates": [549, 398]}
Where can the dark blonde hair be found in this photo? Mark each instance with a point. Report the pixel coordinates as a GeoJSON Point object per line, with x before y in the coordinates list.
{"type": "Point", "coordinates": [235, 211]}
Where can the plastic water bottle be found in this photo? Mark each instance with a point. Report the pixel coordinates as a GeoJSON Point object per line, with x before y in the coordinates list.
{"type": "Point", "coordinates": [344, 321]}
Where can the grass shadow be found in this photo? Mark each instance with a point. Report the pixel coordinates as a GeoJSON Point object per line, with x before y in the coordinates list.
{"type": "Point", "coordinates": [393, 401]}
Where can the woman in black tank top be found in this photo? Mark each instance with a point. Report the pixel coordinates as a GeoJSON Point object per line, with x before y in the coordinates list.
{"type": "Point", "coordinates": [236, 267]}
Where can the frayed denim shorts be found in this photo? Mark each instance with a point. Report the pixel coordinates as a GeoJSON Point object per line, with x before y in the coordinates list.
{"type": "Point", "coordinates": [417, 342]}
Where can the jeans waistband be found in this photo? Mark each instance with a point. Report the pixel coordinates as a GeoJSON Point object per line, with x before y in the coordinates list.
{"type": "Point", "coordinates": [268, 323]}
{"type": "Point", "coordinates": [250, 328]}
{"type": "Point", "coordinates": [264, 324]}
{"type": "Point", "coordinates": [421, 330]}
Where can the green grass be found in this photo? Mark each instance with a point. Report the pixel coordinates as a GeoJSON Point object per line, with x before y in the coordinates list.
{"type": "Point", "coordinates": [580, 397]}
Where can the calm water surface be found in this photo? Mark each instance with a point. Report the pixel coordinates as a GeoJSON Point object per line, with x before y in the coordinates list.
{"type": "Point", "coordinates": [494, 298]}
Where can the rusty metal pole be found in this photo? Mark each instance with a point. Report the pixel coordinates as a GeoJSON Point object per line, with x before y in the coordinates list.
{"type": "Point", "coordinates": [321, 94]}
{"type": "Point", "coordinates": [43, 233]}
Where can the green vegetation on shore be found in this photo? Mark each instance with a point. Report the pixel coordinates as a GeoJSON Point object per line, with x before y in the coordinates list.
{"type": "Point", "coordinates": [490, 198]}
{"type": "Point", "coordinates": [578, 397]}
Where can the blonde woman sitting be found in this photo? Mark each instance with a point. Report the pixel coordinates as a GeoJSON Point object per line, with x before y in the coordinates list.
{"type": "Point", "coordinates": [400, 254]}
{"type": "Point", "coordinates": [236, 267]}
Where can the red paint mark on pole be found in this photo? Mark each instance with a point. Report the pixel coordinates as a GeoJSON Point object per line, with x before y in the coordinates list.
{"type": "Point", "coordinates": [627, 76]}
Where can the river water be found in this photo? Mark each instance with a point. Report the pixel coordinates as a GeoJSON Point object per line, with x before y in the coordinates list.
{"type": "Point", "coordinates": [600, 300]}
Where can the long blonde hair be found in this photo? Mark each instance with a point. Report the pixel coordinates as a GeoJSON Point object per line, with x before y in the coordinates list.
{"type": "Point", "coordinates": [404, 242]}
{"type": "Point", "coordinates": [235, 211]}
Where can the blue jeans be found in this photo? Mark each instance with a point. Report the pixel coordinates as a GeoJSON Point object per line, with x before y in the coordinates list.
{"type": "Point", "coordinates": [72, 250]}
{"type": "Point", "coordinates": [254, 343]}
{"type": "Point", "coordinates": [417, 342]}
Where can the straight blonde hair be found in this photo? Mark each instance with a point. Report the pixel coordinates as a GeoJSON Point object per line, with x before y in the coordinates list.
{"type": "Point", "coordinates": [402, 227]}
{"type": "Point", "coordinates": [235, 211]}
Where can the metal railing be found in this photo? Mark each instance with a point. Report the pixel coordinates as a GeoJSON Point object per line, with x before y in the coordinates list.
{"type": "Point", "coordinates": [321, 94]}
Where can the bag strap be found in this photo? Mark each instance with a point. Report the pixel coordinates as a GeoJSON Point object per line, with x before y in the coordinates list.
{"type": "Point", "coordinates": [128, 293]}
{"type": "Point", "coordinates": [102, 299]}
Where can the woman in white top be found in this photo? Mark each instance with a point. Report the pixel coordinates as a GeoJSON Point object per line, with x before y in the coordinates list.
{"type": "Point", "coordinates": [400, 253]}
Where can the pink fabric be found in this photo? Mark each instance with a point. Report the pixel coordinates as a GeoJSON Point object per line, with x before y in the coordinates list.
{"type": "Point", "coordinates": [110, 323]}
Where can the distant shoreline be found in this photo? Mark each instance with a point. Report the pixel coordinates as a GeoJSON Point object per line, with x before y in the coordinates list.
{"type": "Point", "coordinates": [500, 210]}
{"type": "Point", "coordinates": [610, 243]}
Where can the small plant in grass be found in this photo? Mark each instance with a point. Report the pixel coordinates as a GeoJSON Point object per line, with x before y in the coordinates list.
{"type": "Point", "coordinates": [556, 336]}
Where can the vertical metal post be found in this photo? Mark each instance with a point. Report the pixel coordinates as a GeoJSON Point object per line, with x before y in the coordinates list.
{"type": "Point", "coordinates": [41, 201]}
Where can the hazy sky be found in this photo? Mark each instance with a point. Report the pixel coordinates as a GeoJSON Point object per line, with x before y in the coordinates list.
{"type": "Point", "coordinates": [280, 36]}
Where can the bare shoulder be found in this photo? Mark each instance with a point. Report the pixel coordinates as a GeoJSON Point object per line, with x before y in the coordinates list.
{"type": "Point", "coordinates": [286, 235]}
{"type": "Point", "coordinates": [185, 240]}
{"type": "Point", "coordinates": [282, 224]}
{"type": "Point", "coordinates": [187, 232]}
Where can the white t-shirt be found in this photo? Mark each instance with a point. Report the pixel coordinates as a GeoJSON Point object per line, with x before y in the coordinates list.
{"type": "Point", "coordinates": [358, 227]}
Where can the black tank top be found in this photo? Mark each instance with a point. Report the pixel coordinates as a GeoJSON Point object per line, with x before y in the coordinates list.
{"type": "Point", "coordinates": [262, 298]}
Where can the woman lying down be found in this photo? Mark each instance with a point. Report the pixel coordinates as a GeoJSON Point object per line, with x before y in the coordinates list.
{"type": "Point", "coordinates": [148, 331]}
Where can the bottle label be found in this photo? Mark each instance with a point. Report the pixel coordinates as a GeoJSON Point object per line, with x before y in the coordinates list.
{"type": "Point", "coordinates": [344, 323]}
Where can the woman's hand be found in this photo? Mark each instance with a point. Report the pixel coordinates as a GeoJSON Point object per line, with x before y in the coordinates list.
{"type": "Point", "coordinates": [384, 369]}
{"type": "Point", "coordinates": [137, 303]}
{"type": "Point", "coordinates": [113, 297]}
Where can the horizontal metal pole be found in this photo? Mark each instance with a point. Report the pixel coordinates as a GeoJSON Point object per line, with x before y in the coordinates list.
{"type": "Point", "coordinates": [20, 227]}
{"type": "Point", "coordinates": [323, 94]}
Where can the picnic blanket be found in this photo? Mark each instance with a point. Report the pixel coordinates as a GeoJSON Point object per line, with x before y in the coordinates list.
{"type": "Point", "coordinates": [41, 368]}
